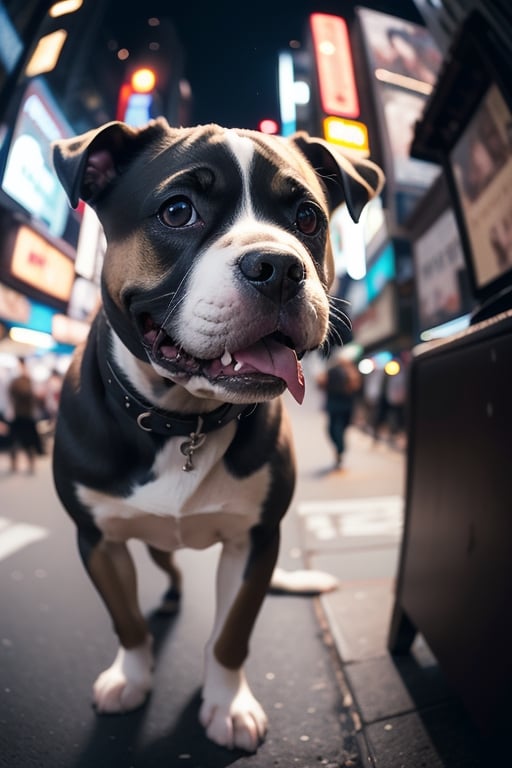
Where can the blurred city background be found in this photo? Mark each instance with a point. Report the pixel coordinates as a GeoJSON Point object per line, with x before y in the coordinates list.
{"type": "Point", "coordinates": [416, 520]}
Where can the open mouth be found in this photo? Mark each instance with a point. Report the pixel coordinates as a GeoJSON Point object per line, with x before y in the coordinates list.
{"type": "Point", "coordinates": [271, 357]}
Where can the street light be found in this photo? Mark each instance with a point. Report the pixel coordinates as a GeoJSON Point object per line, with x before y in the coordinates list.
{"type": "Point", "coordinates": [136, 97]}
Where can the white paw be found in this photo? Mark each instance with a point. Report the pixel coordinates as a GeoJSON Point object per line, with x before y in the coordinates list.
{"type": "Point", "coordinates": [231, 715]}
{"type": "Point", "coordinates": [126, 684]}
{"type": "Point", "coordinates": [304, 582]}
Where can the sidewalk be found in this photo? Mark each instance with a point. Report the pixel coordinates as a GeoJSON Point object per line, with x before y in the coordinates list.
{"type": "Point", "coordinates": [350, 525]}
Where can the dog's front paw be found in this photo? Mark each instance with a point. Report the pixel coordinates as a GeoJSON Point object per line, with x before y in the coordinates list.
{"type": "Point", "coordinates": [231, 715]}
{"type": "Point", "coordinates": [125, 685]}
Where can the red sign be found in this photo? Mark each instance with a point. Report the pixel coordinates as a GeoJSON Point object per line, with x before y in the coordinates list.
{"type": "Point", "coordinates": [333, 55]}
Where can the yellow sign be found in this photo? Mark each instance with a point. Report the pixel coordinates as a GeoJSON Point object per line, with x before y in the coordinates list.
{"type": "Point", "coordinates": [350, 134]}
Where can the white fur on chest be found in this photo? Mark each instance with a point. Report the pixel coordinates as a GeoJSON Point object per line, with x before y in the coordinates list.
{"type": "Point", "coordinates": [177, 508]}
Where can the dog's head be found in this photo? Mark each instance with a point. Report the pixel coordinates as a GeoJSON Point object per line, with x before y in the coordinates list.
{"type": "Point", "coordinates": [218, 261]}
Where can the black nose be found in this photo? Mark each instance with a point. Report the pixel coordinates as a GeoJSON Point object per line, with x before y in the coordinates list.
{"type": "Point", "coordinates": [276, 275]}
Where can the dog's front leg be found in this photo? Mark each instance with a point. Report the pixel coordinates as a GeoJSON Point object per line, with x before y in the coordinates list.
{"type": "Point", "coordinates": [126, 683]}
{"type": "Point", "coordinates": [230, 713]}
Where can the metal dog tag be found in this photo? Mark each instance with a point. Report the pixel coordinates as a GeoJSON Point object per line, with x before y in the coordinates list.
{"type": "Point", "coordinates": [189, 447]}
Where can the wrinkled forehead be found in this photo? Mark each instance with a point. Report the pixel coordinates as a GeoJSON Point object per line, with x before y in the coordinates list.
{"type": "Point", "coordinates": [230, 167]}
{"type": "Point", "coordinates": [272, 160]}
{"type": "Point", "coordinates": [267, 162]}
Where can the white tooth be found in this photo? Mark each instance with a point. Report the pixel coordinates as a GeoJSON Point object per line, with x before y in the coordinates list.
{"type": "Point", "coordinates": [226, 358]}
{"type": "Point", "coordinates": [237, 366]}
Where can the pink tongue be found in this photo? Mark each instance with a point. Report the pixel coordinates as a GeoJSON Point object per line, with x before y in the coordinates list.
{"type": "Point", "coordinates": [277, 359]}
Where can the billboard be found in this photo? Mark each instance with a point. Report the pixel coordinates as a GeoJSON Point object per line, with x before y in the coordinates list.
{"type": "Point", "coordinates": [404, 62]}
{"type": "Point", "coordinates": [29, 177]}
{"type": "Point", "coordinates": [36, 262]}
{"type": "Point", "coordinates": [440, 273]}
{"type": "Point", "coordinates": [333, 57]}
{"type": "Point", "coordinates": [481, 164]}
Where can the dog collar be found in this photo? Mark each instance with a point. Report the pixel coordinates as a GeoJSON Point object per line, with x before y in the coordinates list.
{"type": "Point", "coordinates": [150, 419]}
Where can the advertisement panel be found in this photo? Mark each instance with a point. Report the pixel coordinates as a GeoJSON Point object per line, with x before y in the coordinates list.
{"type": "Point", "coordinates": [481, 162]}
{"type": "Point", "coordinates": [379, 322]}
{"type": "Point", "coordinates": [39, 264]}
{"type": "Point", "coordinates": [29, 177]}
{"type": "Point", "coordinates": [440, 268]}
{"type": "Point", "coordinates": [405, 61]}
{"type": "Point", "coordinates": [333, 56]}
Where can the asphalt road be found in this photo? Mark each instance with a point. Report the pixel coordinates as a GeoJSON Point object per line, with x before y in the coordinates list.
{"type": "Point", "coordinates": [55, 637]}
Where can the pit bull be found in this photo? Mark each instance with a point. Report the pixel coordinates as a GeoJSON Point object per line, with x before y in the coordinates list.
{"type": "Point", "coordinates": [171, 427]}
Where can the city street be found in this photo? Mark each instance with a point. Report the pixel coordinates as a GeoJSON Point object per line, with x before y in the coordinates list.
{"type": "Point", "coordinates": [56, 636]}
{"type": "Point", "coordinates": [228, 182]}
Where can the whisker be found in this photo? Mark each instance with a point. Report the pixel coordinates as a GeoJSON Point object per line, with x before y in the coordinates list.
{"type": "Point", "coordinates": [340, 318]}
{"type": "Point", "coordinates": [339, 327]}
{"type": "Point", "coordinates": [339, 314]}
{"type": "Point", "coordinates": [174, 304]}
{"type": "Point", "coordinates": [335, 336]}
{"type": "Point", "coordinates": [161, 296]}
{"type": "Point", "coordinates": [333, 299]}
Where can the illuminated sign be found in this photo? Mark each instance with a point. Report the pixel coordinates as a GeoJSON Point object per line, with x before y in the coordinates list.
{"type": "Point", "coordinates": [29, 177]}
{"type": "Point", "coordinates": [350, 134]}
{"type": "Point", "coordinates": [405, 60]}
{"type": "Point", "coordinates": [39, 264]}
{"type": "Point", "coordinates": [91, 245]}
{"type": "Point", "coordinates": [136, 97]}
{"type": "Point", "coordinates": [381, 271]}
{"type": "Point", "coordinates": [333, 55]}
{"type": "Point", "coordinates": [138, 109]}
{"type": "Point", "coordinates": [268, 126]}
{"type": "Point", "coordinates": [46, 53]}
{"type": "Point", "coordinates": [439, 266]}
{"type": "Point", "coordinates": [348, 246]}
{"type": "Point", "coordinates": [286, 96]}
{"type": "Point", "coordinates": [143, 80]}
{"type": "Point", "coordinates": [65, 330]}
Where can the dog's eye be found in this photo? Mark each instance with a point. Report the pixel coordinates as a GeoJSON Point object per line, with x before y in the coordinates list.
{"type": "Point", "coordinates": [178, 212]}
{"type": "Point", "coordinates": [307, 219]}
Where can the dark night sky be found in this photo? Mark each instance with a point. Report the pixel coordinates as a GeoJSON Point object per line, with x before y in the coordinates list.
{"type": "Point", "coordinates": [232, 48]}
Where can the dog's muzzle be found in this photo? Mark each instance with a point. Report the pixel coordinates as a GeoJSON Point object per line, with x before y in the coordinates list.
{"type": "Point", "coordinates": [268, 366]}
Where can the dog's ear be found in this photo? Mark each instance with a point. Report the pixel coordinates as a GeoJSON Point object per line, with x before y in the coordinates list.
{"type": "Point", "coordinates": [86, 165]}
{"type": "Point", "coordinates": [354, 181]}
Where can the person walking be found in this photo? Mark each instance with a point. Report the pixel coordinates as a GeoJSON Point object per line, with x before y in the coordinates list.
{"type": "Point", "coordinates": [341, 381]}
{"type": "Point", "coordinates": [5, 427]}
{"type": "Point", "coordinates": [23, 433]}
{"type": "Point", "coordinates": [52, 392]}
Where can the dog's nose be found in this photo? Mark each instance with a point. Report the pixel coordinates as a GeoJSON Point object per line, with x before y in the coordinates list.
{"type": "Point", "coordinates": [277, 275]}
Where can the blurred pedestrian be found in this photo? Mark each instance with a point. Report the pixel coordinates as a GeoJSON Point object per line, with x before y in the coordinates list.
{"type": "Point", "coordinates": [52, 398]}
{"type": "Point", "coordinates": [5, 428]}
{"type": "Point", "coordinates": [341, 381]}
{"type": "Point", "coordinates": [381, 409]}
{"type": "Point", "coordinates": [390, 406]}
{"type": "Point", "coordinates": [23, 433]}
{"type": "Point", "coordinates": [396, 392]}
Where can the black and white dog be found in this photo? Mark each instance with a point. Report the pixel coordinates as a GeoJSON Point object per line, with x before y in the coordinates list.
{"type": "Point", "coordinates": [171, 428]}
